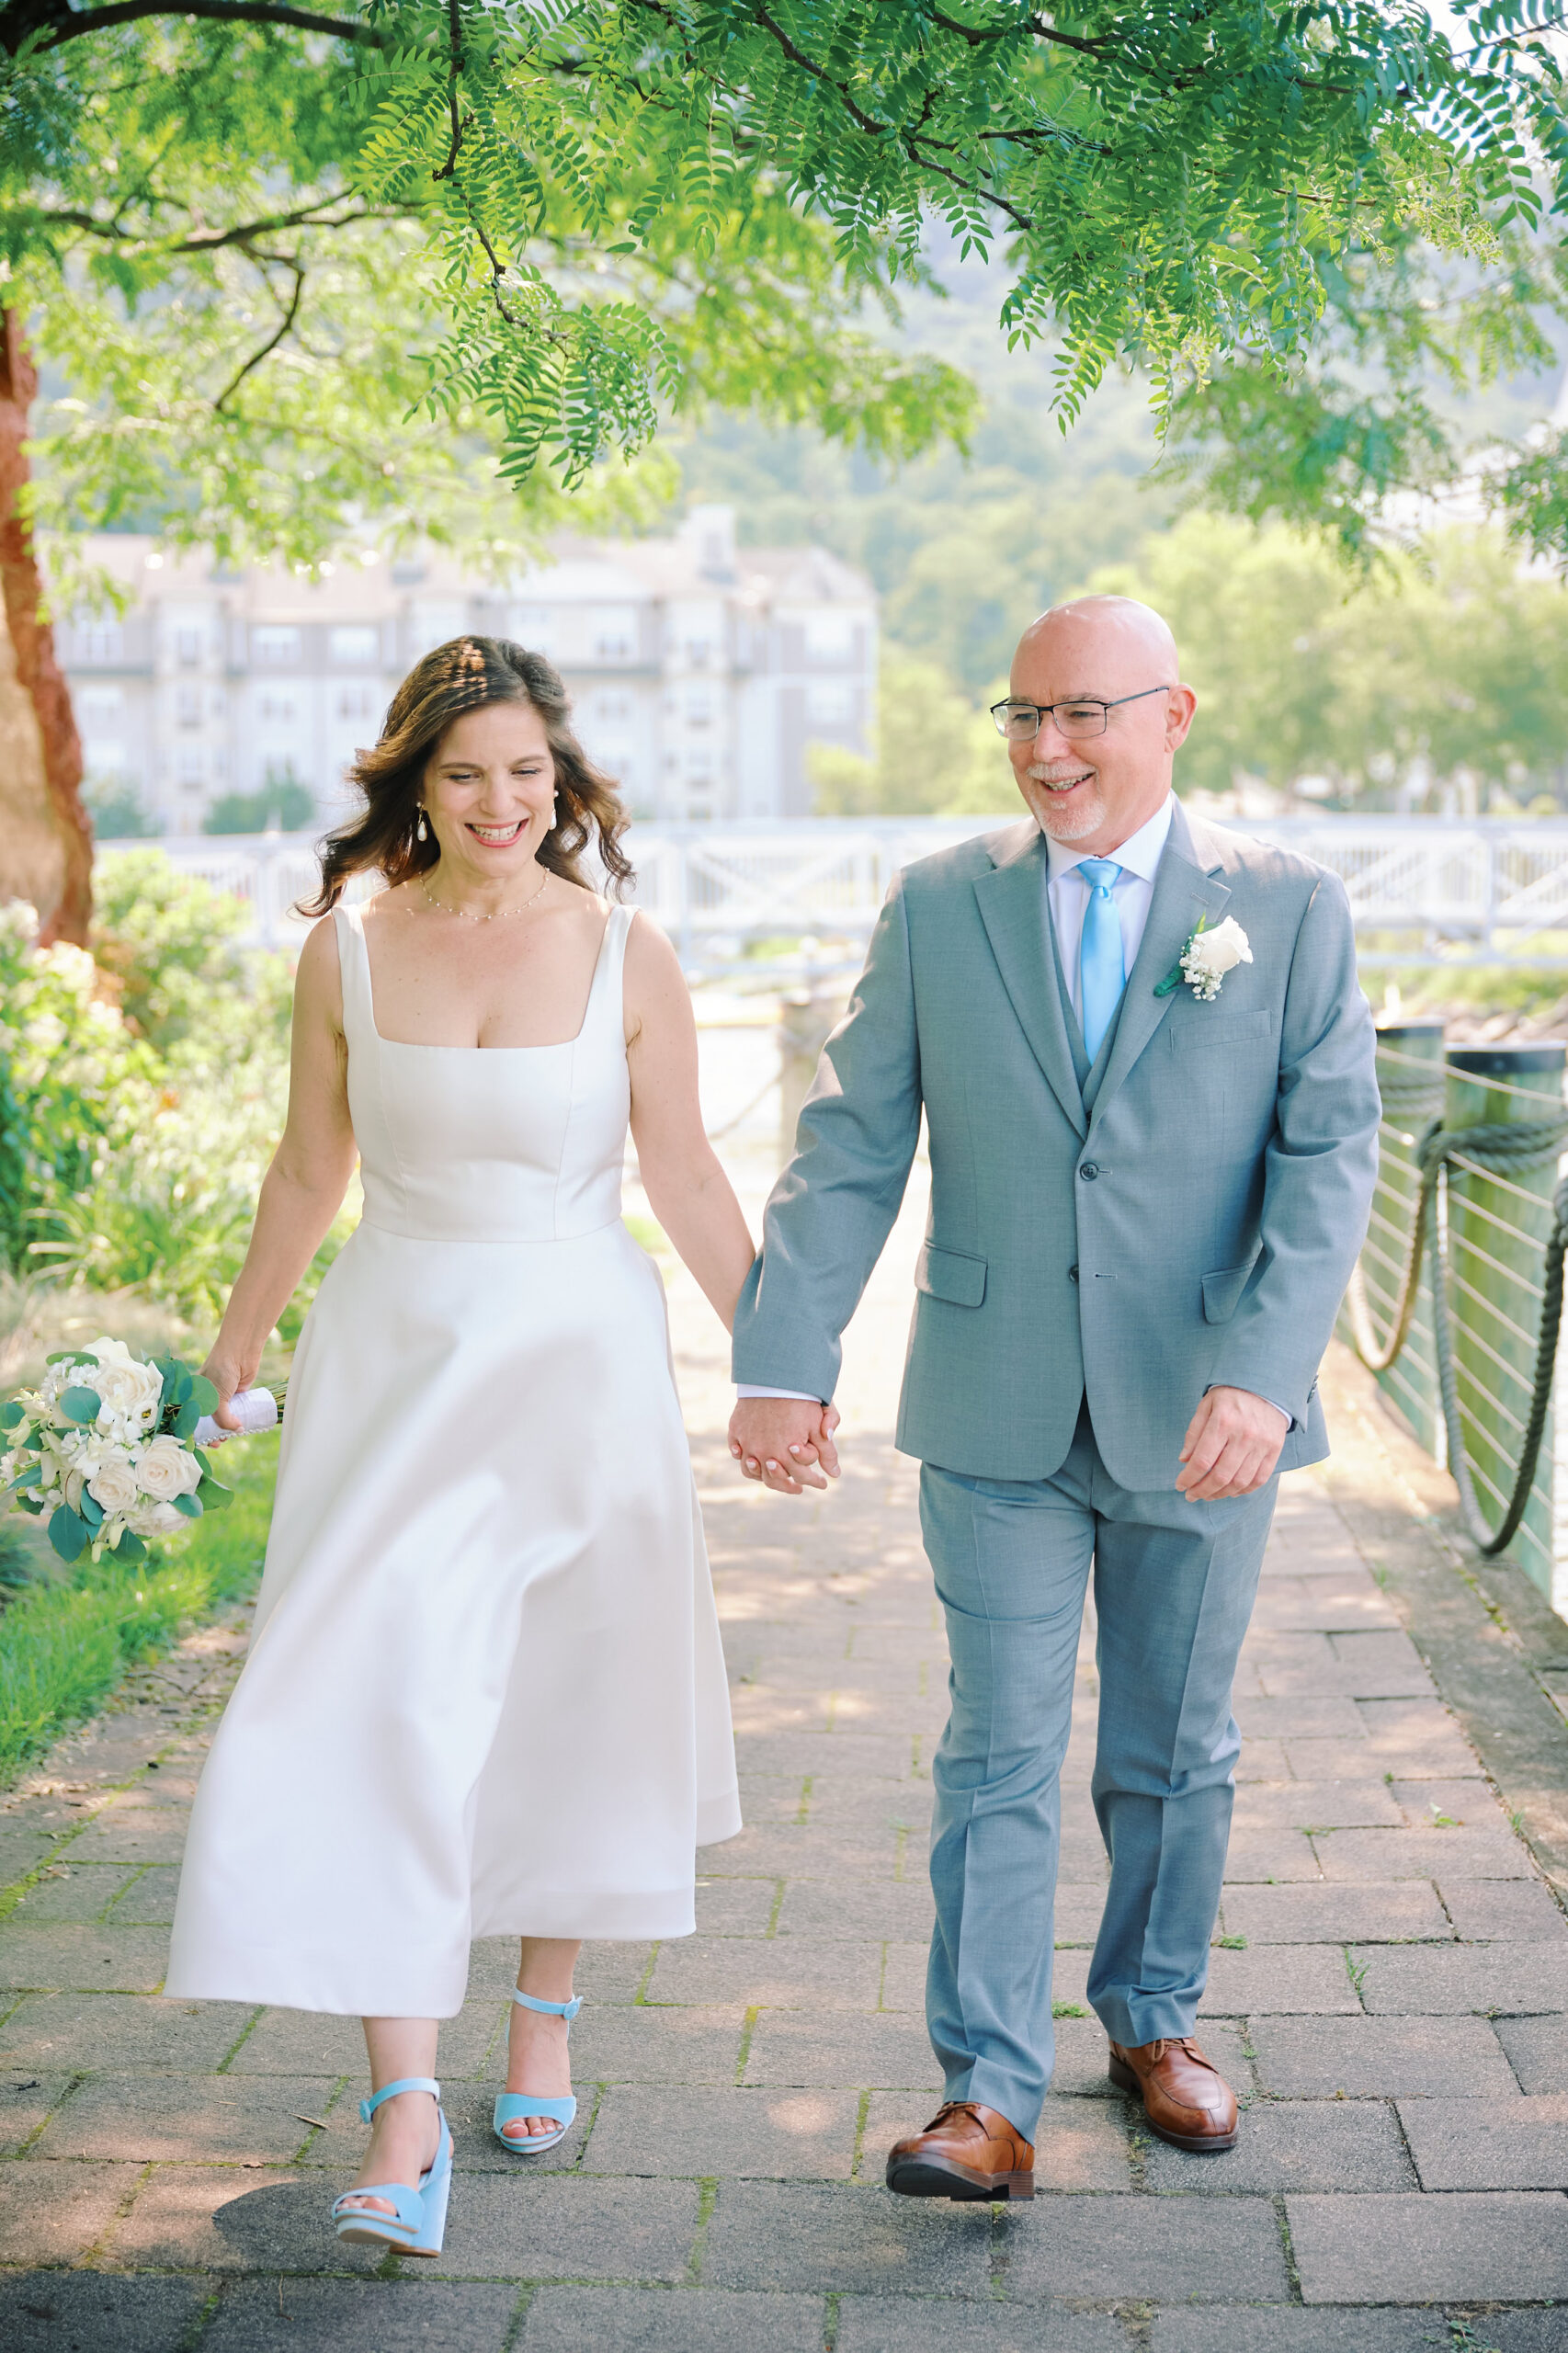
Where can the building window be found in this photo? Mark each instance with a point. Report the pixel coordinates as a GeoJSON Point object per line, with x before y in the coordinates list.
{"type": "Point", "coordinates": [187, 706]}
{"type": "Point", "coordinates": [699, 708]}
{"type": "Point", "coordinates": [355, 702]}
{"type": "Point", "coordinates": [613, 631]}
{"type": "Point", "coordinates": [612, 705]}
{"type": "Point", "coordinates": [100, 642]}
{"type": "Point", "coordinates": [188, 648]}
{"type": "Point", "coordinates": [99, 703]}
{"type": "Point", "coordinates": [278, 710]}
{"type": "Point", "coordinates": [274, 645]}
{"type": "Point", "coordinates": [830, 637]}
{"type": "Point", "coordinates": [354, 644]}
{"type": "Point", "coordinates": [534, 627]}
{"type": "Point", "coordinates": [192, 768]}
{"type": "Point", "coordinates": [830, 706]}
{"type": "Point", "coordinates": [699, 652]}
{"type": "Point", "coordinates": [103, 756]}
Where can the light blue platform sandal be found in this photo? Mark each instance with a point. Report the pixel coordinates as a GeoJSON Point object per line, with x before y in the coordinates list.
{"type": "Point", "coordinates": [418, 2221]}
{"type": "Point", "coordinates": [509, 2105]}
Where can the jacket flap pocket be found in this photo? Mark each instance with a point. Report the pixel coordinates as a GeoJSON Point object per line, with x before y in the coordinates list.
{"type": "Point", "coordinates": [1211, 1028]}
{"type": "Point", "coordinates": [1222, 1290]}
{"type": "Point", "coordinates": [952, 1275]}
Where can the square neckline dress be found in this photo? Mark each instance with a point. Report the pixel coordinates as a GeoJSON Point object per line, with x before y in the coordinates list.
{"type": "Point", "coordinates": [485, 1692]}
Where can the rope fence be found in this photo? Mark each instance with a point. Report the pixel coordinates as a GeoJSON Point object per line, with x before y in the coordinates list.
{"type": "Point", "coordinates": [1456, 1305]}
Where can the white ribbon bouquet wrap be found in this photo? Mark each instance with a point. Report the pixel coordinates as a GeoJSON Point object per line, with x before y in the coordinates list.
{"type": "Point", "coordinates": [256, 1410]}
{"type": "Point", "coordinates": [112, 1450]}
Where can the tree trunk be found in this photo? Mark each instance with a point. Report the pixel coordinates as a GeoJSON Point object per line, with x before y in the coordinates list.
{"type": "Point", "coordinates": [38, 671]}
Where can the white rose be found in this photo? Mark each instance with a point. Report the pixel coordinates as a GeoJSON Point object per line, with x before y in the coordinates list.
{"type": "Point", "coordinates": [166, 1470]}
{"type": "Point", "coordinates": [132, 1392]}
{"type": "Point", "coordinates": [155, 1520]}
{"type": "Point", "coordinates": [113, 1486]}
{"type": "Point", "coordinates": [1215, 952]}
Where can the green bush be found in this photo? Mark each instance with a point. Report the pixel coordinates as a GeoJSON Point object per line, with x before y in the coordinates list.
{"type": "Point", "coordinates": [141, 1096]}
{"type": "Point", "coordinates": [64, 1644]}
{"type": "Point", "coordinates": [117, 813]}
{"type": "Point", "coordinates": [167, 939]}
{"type": "Point", "coordinates": [283, 805]}
{"type": "Point", "coordinates": [75, 1084]}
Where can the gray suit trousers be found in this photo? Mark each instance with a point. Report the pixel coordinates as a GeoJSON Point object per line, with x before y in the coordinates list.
{"type": "Point", "coordinates": [1174, 1589]}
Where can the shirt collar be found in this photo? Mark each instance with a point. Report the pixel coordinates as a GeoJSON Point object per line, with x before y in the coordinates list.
{"type": "Point", "coordinates": [1140, 854]}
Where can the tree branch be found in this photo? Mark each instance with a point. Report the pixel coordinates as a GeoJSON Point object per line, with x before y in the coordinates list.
{"type": "Point", "coordinates": [271, 344]}
{"type": "Point", "coordinates": [496, 271]}
{"type": "Point", "coordinates": [307, 217]}
{"type": "Point", "coordinates": [868, 123]}
{"type": "Point", "coordinates": [1037, 26]}
{"type": "Point", "coordinates": [454, 11]}
{"type": "Point", "coordinates": [66, 24]}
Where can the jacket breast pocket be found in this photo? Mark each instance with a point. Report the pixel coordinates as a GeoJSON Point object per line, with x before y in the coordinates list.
{"type": "Point", "coordinates": [1222, 1290]}
{"type": "Point", "coordinates": [1207, 1028]}
{"type": "Point", "coordinates": [956, 1276]}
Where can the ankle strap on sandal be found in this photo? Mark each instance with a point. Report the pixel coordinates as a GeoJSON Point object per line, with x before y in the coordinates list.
{"type": "Point", "coordinates": [567, 2010]}
{"type": "Point", "coordinates": [390, 2091]}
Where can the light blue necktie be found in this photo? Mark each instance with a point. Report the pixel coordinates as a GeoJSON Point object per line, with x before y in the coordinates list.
{"type": "Point", "coordinates": [1102, 972]}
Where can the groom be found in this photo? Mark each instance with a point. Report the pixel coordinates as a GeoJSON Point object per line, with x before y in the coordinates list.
{"type": "Point", "coordinates": [1149, 1183]}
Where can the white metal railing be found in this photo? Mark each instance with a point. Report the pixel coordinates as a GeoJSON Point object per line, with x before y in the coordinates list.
{"type": "Point", "coordinates": [1438, 889]}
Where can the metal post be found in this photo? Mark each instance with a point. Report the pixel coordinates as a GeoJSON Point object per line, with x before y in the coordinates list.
{"type": "Point", "coordinates": [1497, 1229]}
{"type": "Point", "coordinates": [1410, 1076]}
{"type": "Point", "coordinates": [807, 1019]}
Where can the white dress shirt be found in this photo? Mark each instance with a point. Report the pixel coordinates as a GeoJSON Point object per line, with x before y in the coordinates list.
{"type": "Point", "coordinates": [1132, 893]}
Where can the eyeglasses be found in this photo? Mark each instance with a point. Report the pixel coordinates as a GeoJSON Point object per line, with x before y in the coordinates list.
{"type": "Point", "coordinates": [1021, 722]}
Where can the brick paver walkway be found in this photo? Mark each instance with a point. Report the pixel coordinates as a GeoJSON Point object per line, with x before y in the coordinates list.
{"type": "Point", "coordinates": [1387, 1994]}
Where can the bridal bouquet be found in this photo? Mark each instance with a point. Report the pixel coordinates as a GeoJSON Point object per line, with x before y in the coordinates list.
{"type": "Point", "coordinates": [113, 1449]}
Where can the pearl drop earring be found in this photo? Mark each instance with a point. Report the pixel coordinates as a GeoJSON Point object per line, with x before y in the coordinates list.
{"type": "Point", "coordinates": [422, 831]}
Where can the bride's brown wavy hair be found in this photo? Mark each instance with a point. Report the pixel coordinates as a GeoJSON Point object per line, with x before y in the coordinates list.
{"type": "Point", "coordinates": [465, 675]}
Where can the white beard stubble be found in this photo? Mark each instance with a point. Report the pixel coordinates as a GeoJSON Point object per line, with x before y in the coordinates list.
{"type": "Point", "coordinates": [1065, 824]}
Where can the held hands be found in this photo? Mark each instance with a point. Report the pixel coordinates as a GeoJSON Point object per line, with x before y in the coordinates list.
{"type": "Point", "coordinates": [785, 1442]}
{"type": "Point", "coordinates": [1232, 1444]}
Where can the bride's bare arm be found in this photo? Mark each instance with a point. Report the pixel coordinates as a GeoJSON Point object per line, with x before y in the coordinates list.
{"type": "Point", "coordinates": [687, 1191]}
{"type": "Point", "coordinates": [304, 1189]}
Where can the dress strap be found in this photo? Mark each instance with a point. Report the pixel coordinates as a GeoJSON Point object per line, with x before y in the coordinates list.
{"type": "Point", "coordinates": [606, 997]}
{"type": "Point", "coordinates": [354, 968]}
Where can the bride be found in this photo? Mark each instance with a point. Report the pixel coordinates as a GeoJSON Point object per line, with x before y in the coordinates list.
{"type": "Point", "coordinates": [486, 1694]}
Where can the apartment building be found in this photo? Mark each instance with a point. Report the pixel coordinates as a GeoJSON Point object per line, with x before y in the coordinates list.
{"type": "Point", "coordinates": [700, 670]}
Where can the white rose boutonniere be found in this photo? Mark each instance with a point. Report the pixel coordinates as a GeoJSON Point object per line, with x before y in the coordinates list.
{"type": "Point", "coordinates": [1207, 957]}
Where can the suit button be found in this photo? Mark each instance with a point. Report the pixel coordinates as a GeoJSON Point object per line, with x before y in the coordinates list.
{"type": "Point", "coordinates": [1089, 1171]}
{"type": "Point", "coordinates": [1071, 1274]}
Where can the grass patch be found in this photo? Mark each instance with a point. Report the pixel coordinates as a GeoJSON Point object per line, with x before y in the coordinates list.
{"type": "Point", "coordinates": [64, 1646]}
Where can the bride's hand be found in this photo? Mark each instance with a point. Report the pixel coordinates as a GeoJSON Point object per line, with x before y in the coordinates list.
{"type": "Point", "coordinates": [228, 1373]}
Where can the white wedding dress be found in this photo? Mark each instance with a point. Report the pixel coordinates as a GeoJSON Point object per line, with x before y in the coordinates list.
{"type": "Point", "coordinates": [486, 1694]}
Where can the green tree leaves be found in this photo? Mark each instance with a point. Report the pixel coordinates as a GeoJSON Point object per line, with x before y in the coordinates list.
{"type": "Point", "coordinates": [324, 275]}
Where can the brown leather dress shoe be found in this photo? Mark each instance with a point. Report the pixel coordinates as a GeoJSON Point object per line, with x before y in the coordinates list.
{"type": "Point", "coordinates": [1186, 2098]}
{"type": "Point", "coordinates": [966, 2151]}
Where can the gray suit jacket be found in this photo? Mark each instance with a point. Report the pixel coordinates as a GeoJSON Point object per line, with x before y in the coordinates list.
{"type": "Point", "coordinates": [1198, 1226]}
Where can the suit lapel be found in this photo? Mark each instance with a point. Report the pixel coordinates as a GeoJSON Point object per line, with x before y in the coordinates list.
{"type": "Point", "coordinates": [1013, 909]}
{"type": "Point", "coordinates": [1183, 891]}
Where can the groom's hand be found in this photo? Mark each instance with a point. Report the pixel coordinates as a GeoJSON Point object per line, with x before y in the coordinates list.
{"type": "Point", "coordinates": [1231, 1446]}
{"type": "Point", "coordinates": [785, 1442]}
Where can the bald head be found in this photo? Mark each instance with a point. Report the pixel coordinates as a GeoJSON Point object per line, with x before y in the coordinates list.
{"type": "Point", "coordinates": [1088, 785]}
{"type": "Point", "coordinates": [1103, 632]}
